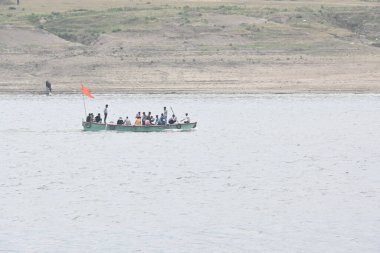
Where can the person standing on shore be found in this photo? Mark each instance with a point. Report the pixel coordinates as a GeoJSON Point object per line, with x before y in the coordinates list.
{"type": "Point", "coordinates": [105, 114]}
{"type": "Point", "coordinates": [48, 88]}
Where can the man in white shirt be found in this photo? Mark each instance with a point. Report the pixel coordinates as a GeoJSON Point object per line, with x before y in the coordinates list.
{"type": "Point", "coordinates": [186, 119]}
{"type": "Point", "coordinates": [165, 114]}
{"type": "Point", "coordinates": [127, 122]}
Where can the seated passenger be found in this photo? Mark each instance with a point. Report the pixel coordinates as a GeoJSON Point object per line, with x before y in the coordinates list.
{"type": "Point", "coordinates": [89, 119]}
{"type": "Point", "coordinates": [127, 122]}
{"type": "Point", "coordinates": [156, 120]}
{"type": "Point", "coordinates": [162, 120]}
{"type": "Point", "coordinates": [120, 121]}
{"type": "Point", "coordinates": [138, 122]}
{"type": "Point", "coordinates": [173, 119]}
{"type": "Point", "coordinates": [147, 122]}
{"type": "Point", "coordinates": [186, 119]}
{"type": "Point", "coordinates": [98, 119]}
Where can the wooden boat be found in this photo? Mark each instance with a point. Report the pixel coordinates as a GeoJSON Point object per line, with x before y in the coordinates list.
{"type": "Point", "coordinates": [92, 126]}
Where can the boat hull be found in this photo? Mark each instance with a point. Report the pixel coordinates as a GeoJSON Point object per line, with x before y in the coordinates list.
{"type": "Point", "coordinates": [91, 126]}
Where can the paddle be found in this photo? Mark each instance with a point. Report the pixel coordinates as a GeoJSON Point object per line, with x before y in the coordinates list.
{"type": "Point", "coordinates": [173, 112]}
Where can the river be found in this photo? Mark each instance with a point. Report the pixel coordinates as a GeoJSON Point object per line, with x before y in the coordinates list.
{"type": "Point", "coordinates": [261, 173]}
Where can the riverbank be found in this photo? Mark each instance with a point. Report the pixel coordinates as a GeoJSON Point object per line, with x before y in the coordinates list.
{"type": "Point", "coordinates": [348, 74]}
{"type": "Point", "coordinates": [191, 47]}
{"type": "Point", "coordinates": [306, 74]}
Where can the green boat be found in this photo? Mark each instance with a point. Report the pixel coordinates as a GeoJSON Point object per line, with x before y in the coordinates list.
{"type": "Point", "coordinates": [92, 126]}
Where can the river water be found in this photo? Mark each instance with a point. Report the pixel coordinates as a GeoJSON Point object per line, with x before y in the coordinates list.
{"type": "Point", "coordinates": [261, 173]}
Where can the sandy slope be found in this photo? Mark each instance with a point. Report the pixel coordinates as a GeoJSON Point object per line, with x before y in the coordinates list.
{"type": "Point", "coordinates": [172, 60]}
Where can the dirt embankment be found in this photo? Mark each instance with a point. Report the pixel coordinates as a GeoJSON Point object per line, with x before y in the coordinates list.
{"type": "Point", "coordinates": [192, 48]}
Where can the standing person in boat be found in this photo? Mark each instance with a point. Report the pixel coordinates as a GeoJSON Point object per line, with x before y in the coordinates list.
{"type": "Point", "coordinates": [48, 88]}
{"type": "Point", "coordinates": [105, 114]}
{"type": "Point", "coordinates": [98, 119]}
{"type": "Point", "coordinates": [173, 119]}
{"type": "Point", "coordinates": [165, 114]}
{"type": "Point", "coordinates": [143, 118]}
{"type": "Point", "coordinates": [127, 122]}
{"type": "Point", "coordinates": [186, 119]}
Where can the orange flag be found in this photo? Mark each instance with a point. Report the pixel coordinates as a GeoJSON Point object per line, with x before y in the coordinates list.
{"type": "Point", "coordinates": [86, 91]}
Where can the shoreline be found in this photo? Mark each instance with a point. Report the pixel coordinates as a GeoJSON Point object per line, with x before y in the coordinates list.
{"type": "Point", "coordinates": [201, 92]}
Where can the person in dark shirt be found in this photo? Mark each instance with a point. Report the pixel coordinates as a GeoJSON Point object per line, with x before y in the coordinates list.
{"type": "Point", "coordinates": [88, 119]}
{"type": "Point", "coordinates": [173, 119]}
{"type": "Point", "coordinates": [143, 118]}
{"type": "Point", "coordinates": [48, 88]}
{"type": "Point", "coordinates": [120, 121]}
{"type": "Point", "coordinates": [98, 119]}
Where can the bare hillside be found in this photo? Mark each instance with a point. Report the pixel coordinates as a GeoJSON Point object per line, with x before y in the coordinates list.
{"type": "Point", "coordinates": [194, 46]}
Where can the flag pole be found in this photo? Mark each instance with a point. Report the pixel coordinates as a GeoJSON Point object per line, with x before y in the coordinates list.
{"type": "Point", "coordinates": [87, 92]}
{"type": "Point", "coordinates": [84, 105]}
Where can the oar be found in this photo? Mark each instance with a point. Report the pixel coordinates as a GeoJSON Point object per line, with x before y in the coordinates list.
{"type": "Point", "coordinates": [173, 112]}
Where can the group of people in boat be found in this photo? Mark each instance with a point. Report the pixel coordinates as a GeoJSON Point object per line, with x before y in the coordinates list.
{"type": "Point", "coordinates": [144, 119]}
{"type": "Point", "coordinates": [91, 118]}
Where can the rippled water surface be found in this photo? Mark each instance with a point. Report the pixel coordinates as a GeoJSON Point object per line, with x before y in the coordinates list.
{"type": "Point", "coordinates": [286, 173]}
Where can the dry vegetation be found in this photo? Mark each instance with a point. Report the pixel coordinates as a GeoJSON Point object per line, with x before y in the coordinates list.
{"type": "Point", "coordinates": [193, 46]}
